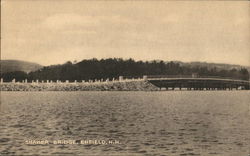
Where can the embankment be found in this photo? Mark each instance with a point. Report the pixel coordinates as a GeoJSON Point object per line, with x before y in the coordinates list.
{"type": "Point", "coordinates": [97, 86]}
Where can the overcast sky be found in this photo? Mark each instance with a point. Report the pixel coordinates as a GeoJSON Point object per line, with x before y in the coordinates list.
{"type": "Point", "coordinates": [55, 31]}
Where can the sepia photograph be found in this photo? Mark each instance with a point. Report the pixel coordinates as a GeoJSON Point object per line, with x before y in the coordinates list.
{"type": "Point", "coordinates": [125, 78]}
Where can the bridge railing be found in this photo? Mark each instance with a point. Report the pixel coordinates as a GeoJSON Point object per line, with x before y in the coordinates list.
{"type": "Point", "coordinates": [190, 76]}
{"type": "Point", "coordinates": [169, 76]}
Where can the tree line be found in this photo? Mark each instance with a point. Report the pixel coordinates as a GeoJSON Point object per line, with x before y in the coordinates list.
{"type": "Point", "coordinates": [114, 67]}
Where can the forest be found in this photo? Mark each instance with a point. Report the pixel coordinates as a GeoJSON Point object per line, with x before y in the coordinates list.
{"type": "Point", "coordinates": [114, 67]}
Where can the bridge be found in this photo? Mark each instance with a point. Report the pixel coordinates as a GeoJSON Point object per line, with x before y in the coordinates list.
{"type": "Point", "coordinates": [197, 83]}
{"type": "Point", "coordinates": [185, 82]}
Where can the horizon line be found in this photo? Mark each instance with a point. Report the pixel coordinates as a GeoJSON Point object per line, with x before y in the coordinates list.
{"type": "Point", "coordinates": [143, 60]}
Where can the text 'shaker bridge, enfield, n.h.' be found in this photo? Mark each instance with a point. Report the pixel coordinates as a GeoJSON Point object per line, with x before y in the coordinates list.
{"type": "Point", "coordinates": [197, 83]}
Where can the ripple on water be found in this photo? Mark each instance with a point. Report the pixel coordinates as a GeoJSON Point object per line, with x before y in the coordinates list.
{"type": "Point", "coordinates": [147, 123]}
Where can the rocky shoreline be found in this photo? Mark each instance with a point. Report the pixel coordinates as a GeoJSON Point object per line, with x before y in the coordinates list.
{"type": "Point", "coordinates": [96, 86]}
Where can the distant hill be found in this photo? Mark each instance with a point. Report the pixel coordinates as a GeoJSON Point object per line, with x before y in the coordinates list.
{"type": "Point", "coordinates": [17, 65]}
{"type": "Point", "coordinates": [219, 66]}
{"type": "Point", "coordinates": [110, 68]}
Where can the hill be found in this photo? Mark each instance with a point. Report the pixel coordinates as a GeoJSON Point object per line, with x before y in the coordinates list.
{"type": "Point", "coordinates": [110, 68]}
{"type": "Point", "coordinates": [219, 66]}
{"type": "Point", "coordinates": [17, 65]}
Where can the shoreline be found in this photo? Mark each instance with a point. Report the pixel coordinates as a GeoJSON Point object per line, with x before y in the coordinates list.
{"type": "Point", "coordinates": [96, 86]}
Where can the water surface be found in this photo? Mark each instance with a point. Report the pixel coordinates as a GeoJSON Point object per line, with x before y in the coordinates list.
{"type": "Point", "coordinates": [175, 123]}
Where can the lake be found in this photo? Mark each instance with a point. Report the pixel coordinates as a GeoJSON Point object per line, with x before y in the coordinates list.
{"type": "Point", "coordinates": [175, 123]}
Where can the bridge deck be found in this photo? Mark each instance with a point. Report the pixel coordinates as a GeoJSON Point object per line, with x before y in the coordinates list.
{"type": "Point", "coordinates": [201, 83]}
{"type": "Point", "coordinates": [204, 79]}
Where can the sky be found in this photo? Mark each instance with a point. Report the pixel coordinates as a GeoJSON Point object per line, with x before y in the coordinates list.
{"type": "Point", "coordinates": [56, 31]}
